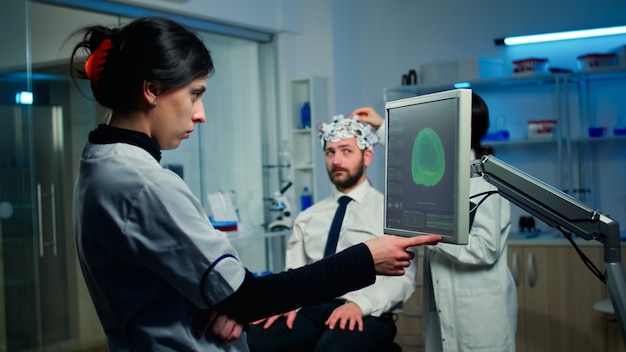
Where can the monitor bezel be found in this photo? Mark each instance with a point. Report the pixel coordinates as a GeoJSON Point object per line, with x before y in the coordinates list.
{"type": "Point", "coordinates": [462, 133]}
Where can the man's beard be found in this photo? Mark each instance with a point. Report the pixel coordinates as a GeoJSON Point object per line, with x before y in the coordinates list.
{"type": "Point", "coordinates": [351, 179]}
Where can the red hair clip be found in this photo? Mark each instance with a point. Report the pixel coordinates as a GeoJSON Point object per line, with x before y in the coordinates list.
{"type": "Point", "coordinates": [95, 62]}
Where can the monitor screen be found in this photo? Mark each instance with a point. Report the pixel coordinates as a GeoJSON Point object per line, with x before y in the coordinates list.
{"type": "Point", "coordinates": [427, 165]}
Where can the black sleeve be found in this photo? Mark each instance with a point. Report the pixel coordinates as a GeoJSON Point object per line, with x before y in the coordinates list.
{"type": "Point", "coordinates": [348, 270]}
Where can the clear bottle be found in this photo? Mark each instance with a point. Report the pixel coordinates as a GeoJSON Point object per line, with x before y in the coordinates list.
{"type": "Point", "coordinates": [306, 198]}
{"type": "Point", "coordinates": [305, 115]}
{"type": "Point", "coordinates": [284, 162]}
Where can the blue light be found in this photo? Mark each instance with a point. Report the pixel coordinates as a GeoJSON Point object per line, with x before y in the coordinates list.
{"type": "Point", "coordinates": [462, 85]}
{"type": "Point", "coordinates": [547, 37]}
{"type": "Point", "coordinates": [24, 98]}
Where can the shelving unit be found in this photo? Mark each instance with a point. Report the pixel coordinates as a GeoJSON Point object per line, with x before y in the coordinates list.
{"type": "Point", "coordinates": [308, 168]}
{"type": "Point", "coordinates": [399, 92]}
{"type": "Point", "coordinates": [600, 95]}
{"type": "Point", "coordinates": [590, 169]}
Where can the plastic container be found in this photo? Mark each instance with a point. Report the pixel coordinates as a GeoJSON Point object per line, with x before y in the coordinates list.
{"type": "Point", "coordinates": [305, 115]}
{"type": "Point", "coordinates": [306, 198]}
{"type": "Point", "coordinates": [619, 131]}
{"type": "Point", "coordinates": [530, 66]}
{"type": "Point", "coordinates": [595, 61]}
{"type": "Point", "coordinates": [541, 129]}
{"type": "Point", "coordinates": [596, 131]}
{"type": "Point", "coordinates": [499, 135]}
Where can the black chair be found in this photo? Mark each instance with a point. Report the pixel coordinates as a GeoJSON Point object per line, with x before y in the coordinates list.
{"type": "Point", "coordinates": [394, 347]}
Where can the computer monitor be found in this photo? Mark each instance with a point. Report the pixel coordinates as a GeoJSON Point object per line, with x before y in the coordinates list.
{"type": "Point", "coordinates": [427, 165]}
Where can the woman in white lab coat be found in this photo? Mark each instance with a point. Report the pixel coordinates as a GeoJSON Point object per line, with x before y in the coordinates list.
{"type": "Point", "coordinates": [470, 299]}
{"type": "Point", "coordinates": [157, 271]}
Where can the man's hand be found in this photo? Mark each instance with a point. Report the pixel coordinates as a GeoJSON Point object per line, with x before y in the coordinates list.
{"type": "Point", "coordinates": [347, 314]}
{"type": "Point", "coordinates": [220, 326]}
{"type": "Point", "coordinates": [291, 316]}
{"type": "Point", "coordinates": [391, 254]}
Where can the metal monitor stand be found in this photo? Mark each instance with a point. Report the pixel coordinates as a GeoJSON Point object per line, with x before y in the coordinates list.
{"type": "Point", "coordinates": [556, 208]}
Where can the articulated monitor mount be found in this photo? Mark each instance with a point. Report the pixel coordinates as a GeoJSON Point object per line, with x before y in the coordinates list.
{"type": "Point", "coordinates": [558, 209]}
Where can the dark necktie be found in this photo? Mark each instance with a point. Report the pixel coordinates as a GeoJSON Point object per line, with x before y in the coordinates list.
{"type": "Point", "coordinates": [335, 227]}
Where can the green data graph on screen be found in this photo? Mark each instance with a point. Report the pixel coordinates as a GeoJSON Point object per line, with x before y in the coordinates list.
{"type": "Point", "coordinates": [428, 158]}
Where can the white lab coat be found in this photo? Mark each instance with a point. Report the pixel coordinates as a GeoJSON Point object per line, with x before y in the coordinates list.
{"type": "Point", "coordinates": [149, 255]}
{"type": "Point", "coordinates": [470, 298]}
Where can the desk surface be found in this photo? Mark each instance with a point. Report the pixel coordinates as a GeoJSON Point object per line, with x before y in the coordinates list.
{"type": "Point", "coordinates": [604, 306]}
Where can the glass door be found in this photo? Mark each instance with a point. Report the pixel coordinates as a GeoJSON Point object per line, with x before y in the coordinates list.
{"type": "Point", "coordinates": [33, 260]}
{"type": "Point", "coordinates": [19, 286]}
{"type": "Point", "coordinates": [33, 231]}
{"type": "Point", "coordinates": [19, 321]}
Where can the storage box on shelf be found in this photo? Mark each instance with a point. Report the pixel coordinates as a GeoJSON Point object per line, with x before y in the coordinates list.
{"type": "Point", "coordinates": [480, 68]}
{"type": "Point", "coordinates": [596, 61]}
{"type": "Point", "coordinates": [538, 129]}
{"type": "Point", "coordinates": [532, 65]}
{"type": "Point", "coordinates": [440, 71]}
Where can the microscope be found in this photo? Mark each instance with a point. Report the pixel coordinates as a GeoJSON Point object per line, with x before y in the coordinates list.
{"type": "Point", "coordinates": [280, 203]}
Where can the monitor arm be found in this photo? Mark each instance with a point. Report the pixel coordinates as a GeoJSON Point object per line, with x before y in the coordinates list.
{"type": "Point", "coordinates": [556, 208]}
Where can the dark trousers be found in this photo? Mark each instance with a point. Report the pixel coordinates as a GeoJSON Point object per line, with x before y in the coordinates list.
{"type": "Point", "coordinates": [310, 334]}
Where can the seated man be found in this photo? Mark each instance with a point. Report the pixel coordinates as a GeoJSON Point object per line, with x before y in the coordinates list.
{"type": "Point", "coordinates": [357, 321]}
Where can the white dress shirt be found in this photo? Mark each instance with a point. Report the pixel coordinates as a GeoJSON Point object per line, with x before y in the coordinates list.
{"type": "Point", "coordinates": [363, 221]}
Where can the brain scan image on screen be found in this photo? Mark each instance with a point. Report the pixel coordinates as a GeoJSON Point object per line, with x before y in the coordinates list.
{"type": "Point", "coordinates": [428, 163]}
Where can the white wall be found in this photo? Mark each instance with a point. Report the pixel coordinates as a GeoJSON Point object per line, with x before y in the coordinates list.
{"type": "Point", "coordinates": [51, 26]}
{"type": "Point", "coordinates": [266, 15]}
{"type": "Point", "coordinates": [363, 46]}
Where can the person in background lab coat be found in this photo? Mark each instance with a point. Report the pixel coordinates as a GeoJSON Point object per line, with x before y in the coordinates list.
{"type": "Point", "coordinates": [470, 298]}
{"type": "Point", "coordinates": [160, 276]}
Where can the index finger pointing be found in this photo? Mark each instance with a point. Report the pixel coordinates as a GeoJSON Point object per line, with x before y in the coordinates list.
{"type": "Point", "coordinates": [422, 239]}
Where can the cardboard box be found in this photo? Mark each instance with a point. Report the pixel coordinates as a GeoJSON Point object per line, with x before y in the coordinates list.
{"type": "Point", "coordinates": [440, 72]}
{"type": "Point", "coordinates": [480, 68]}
